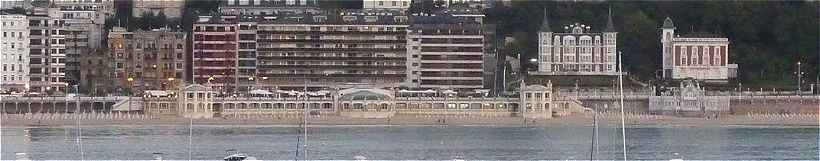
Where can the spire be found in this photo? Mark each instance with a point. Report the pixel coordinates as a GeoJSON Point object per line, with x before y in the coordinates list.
{"type": "Point", "coordinates": [545, 25]}
{"type": "Point", "coordinates": [667, 24]}
{"type": "Point", "coordinates": [610, 27]}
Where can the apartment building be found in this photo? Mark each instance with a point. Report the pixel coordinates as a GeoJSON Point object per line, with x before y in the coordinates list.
{"type": "Point", "coordinates": [355, 47]}
{"type": "Point", "coordinates": [47, 39]}
{"type": "Point", "coordinates": [386, 4]}
{"type": "Point", "coordinates": [446, 51]}
{"type": "Point", "coordinates": [268, 7]}
{"type": "Point", "coordinates": [82, 21]}
{"type": "Point", "coordinates": [15, 53]}
{"type": "Point", "coordinates": [288, 51]}
{"type": "Point", "coordinates": [147, 60]}
{"type": "Point", "coordinates": [171, 8]}
{"type": "Point", "coordinates": [215, 52]}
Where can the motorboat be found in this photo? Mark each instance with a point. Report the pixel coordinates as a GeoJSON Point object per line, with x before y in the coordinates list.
{"type": "Point", "coordinates": [236, 156]}
{"type": "Point", "coordinates": [22, 157]}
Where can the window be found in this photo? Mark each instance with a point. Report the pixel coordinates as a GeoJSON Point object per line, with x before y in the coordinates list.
{"type": "Point", "coordinates": [381, 3]}
{"type": "Point", "coordinates": [349, 18]}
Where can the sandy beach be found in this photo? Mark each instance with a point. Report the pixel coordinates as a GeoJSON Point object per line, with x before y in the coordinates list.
{"type": "Point", "coordinates": [579, 120]}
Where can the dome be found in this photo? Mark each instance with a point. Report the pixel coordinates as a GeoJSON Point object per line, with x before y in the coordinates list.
{"type": "Point", "coordinates": [196, 87]}
{"type": "Point", "coordinates": [365, 94]}
{"type": "Point", "coordinates": [536, 88]}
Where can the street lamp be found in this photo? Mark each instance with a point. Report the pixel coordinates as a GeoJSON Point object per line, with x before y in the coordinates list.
{"type": "Point", "coordinates": [171, 82]}
{"type": "Point", "coordinates": [251, 79]}
{"type": "Point", "coordinates": [799, 79]}
{"type": "Point", "coordinates": [130, 85]}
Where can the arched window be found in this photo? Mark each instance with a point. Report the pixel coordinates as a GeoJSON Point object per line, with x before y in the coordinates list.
{"type": "Point", "coordinates": [683, 60]}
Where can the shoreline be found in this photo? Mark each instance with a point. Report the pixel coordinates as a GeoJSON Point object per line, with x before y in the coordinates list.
{"type": "Point", "coordinates": [739, 121]}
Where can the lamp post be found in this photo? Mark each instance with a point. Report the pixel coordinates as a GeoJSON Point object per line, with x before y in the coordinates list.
{"type": "Point", "coordinates": [171, 82]}
{"type": "Point", "coordinates": [799, 79]}
{"type": "Point", "coordinates": [131, 92]}
{"type": "Point", "coordinates": [130, 86]}
{"type": "Point", "coordinates": [251, 79]}
{"type": "Point", "coordinates": [263, 82]}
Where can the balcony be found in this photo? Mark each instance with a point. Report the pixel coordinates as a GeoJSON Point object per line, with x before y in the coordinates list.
{"type": "Point", "coordinates": [332, 66]}
{"type": "Point", "coordinates": [336, 49]}
{"type": "Point", "coordinates": [326, 58]}
{"type": "Point", "coordinates": [402, 41]}
{"type": "Point", "coordinates": [333, 32]}
{"type": "Point", "coordinates": [320, 75]}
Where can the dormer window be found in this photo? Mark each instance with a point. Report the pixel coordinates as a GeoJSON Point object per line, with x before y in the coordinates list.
{"type": "Point", "coordinates": [349, 18]}
{"type": "Point", "coordinates": [400, 18]}
{"type": "Point", "coordinates": [319, 18]}
{"type": "Point", "coordinates": [371, 18]}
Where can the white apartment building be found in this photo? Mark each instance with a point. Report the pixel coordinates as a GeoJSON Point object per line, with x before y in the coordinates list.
{"type": "Point", "coordinates": [14, 53]}
{"type": "Point", "coordinates": [268, 7]}
{"type": "Point", "coordinates": [577, 51]}
{"type": "Point", "coordinates": [9, 4]}
{"type": "Point", "coordinates": [386, 4]}
{"type": "Point", "coordinates": [171, 8]}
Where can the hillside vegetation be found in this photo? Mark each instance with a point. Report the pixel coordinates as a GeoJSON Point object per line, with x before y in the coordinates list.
{"type": "Point", "coordinates": [767, 38]}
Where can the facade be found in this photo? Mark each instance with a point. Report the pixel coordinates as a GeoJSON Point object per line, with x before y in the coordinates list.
{"type": "Point", "coordinates": [47, 50]}
{"type": "Point", "coordinates": [357, 47]}
{"type": "Point", "coordinates": [577, 51]}
{"type": "Point", "coordinates": [82, 21]}
{"type": "Point", "coordinates": [15, 53]}
{"type": "Point", "coordinates": [688, 99]}
{"type": "Point", "coordinates": [386, 4]}
{"type": "Point", "coordinates": [445, 51]}
{"type": "Point", "coordinates": [9, 4]}
{"type": "Point", "coordinates": [215, 51]}
{"type": "Point", "coordinates": [171, 8]}
{"type": "Point", "coordinates": [268, 7]}
{"type": "Point", "coordinates": [699, 56]}
{"type": "Point", "coordinates": [147, 60]}
{"type": "Point", "coordinates": [96, 74]}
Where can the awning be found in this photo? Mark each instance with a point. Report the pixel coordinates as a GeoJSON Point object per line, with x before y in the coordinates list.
{"type": "Point", "coordinates": [261, 92]}
{"type": "Point", "coordinates": [156, 93]}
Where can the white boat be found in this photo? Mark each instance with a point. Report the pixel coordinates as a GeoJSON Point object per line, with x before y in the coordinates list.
{"type": "Point", "coordinates": [235, 156]}
{"type": "Point", "coordinates": [22, 157]}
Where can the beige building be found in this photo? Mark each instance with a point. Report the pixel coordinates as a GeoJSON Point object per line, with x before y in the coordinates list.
{"type": "Point", "coordinates": [171, 8]}
{"type": "Point", "coordinates": [577, 51]}
{"type": "Point", "coordinates": [700, 56]}
{"type": "Point", "coordinates": [147, 60]}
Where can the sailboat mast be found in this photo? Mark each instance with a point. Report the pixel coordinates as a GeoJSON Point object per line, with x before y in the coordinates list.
{"type": "Point", "coordinates": [79, 123]}
{"type": "Point", "coordinates": [305, 120]}
{"type": "Point", "coordinates": [594, 135]}
{"type": "Point", "coordinates": [621, 87]}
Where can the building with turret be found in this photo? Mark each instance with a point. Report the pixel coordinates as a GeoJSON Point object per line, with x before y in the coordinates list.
{"type": "Point", "coordinates": [577, 51]}
{"type": "Point", "coordinates": [697, 55]}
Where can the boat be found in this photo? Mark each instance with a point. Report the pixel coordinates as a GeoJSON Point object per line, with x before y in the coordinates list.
{"type": "Point", "coordinates": [676, 157]}
{"type": "Point", "coordinates": [22, 157]}
{"type": "Point", "coordinates": [233, 155]}
{"type": "Point", "coordinates": [157, 156]}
